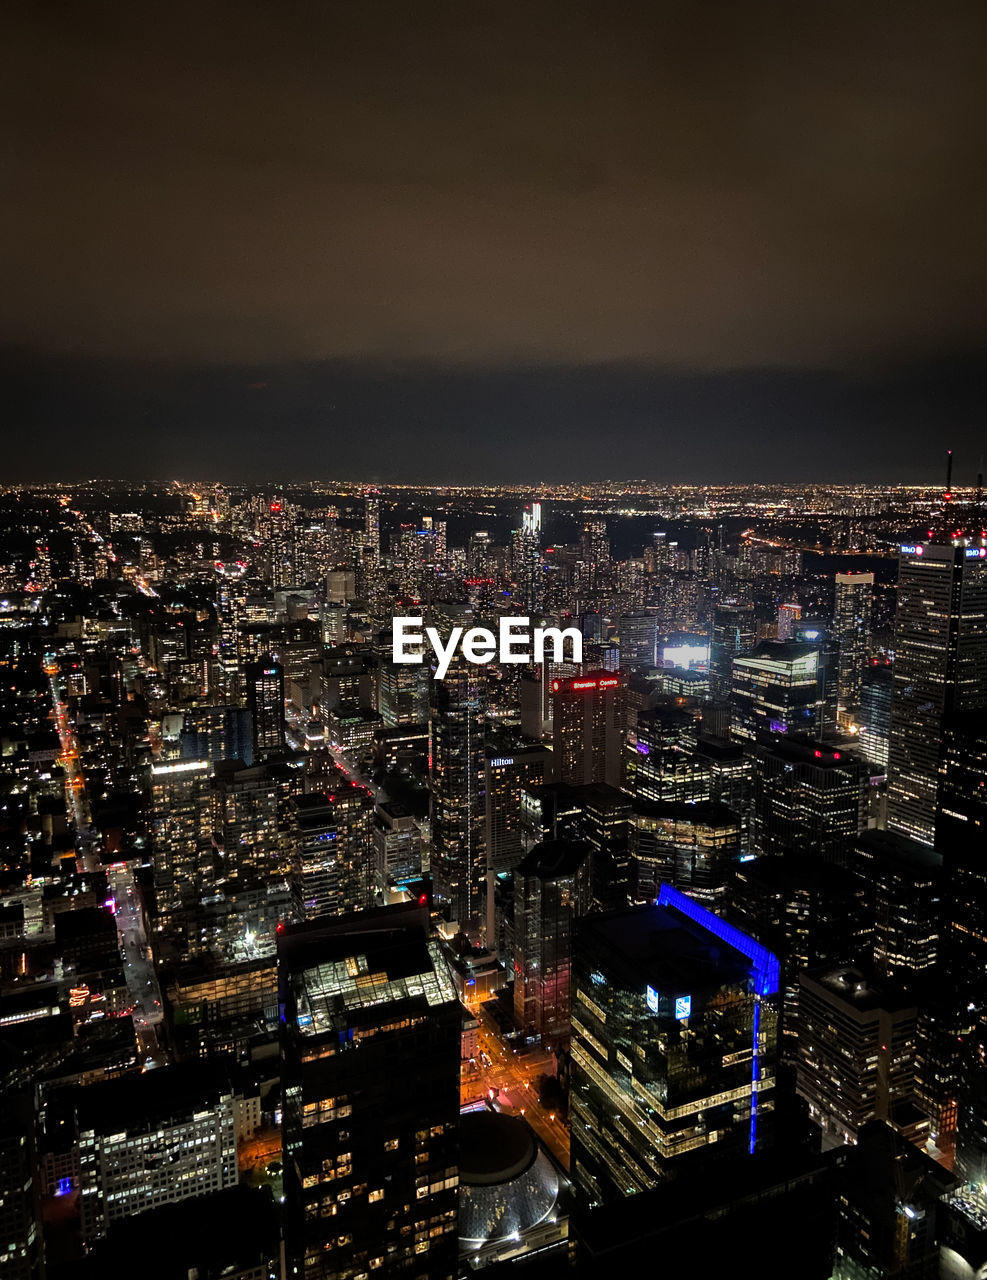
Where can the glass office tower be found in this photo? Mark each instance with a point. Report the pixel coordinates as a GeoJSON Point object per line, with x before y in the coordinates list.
{"type": "Point", "coordinates": [674, 1044]}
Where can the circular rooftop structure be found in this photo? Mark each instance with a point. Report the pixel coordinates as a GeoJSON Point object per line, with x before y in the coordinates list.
{"type": "Point", "coordinates": [507, 1184]}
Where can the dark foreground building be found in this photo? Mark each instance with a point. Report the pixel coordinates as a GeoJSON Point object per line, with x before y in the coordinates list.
{"type": "Point", "coordinates": [370, 1053]}
{"type": "Point", "coordinates": [674, 1045]}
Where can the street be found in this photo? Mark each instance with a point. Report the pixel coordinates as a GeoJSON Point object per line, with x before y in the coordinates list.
{"type": "Point", "coordinates": [138, 966]}
{"type": "Point", "coordinates": [516, 1075]}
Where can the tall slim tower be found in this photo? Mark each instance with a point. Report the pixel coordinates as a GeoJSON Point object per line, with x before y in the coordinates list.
{"type": "Point", "coordinates": [372, 526]}
{"type": "Point", "coordinates": [940, 669]}
{"type": "Point", "coordinates": [851, 625]}
{"type": "Point", "coordinates": [456, 741]}
{"type": "Point", "coordinates": [265, 701]}
{"type": "Point", "coordinates": [526, 558]}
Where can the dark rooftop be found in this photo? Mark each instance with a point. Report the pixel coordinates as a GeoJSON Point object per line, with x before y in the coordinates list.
{"type": "Point", "coordinates": [656, 946]}
{"type": "Point", "coordinates": [555, 859]}
{"type": "Point", "coordinates": [137, 1101]}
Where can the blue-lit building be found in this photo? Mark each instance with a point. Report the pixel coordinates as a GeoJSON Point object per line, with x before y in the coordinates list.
{"type": "Point", "coordinates": [674, 1044]}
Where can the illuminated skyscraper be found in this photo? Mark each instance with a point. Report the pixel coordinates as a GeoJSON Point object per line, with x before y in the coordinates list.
{"type": "Point", "coordinates": [638, 639]}
{"type": "Point", "coordinates": [551, 890]}
{"type": "Point", "coordinates": [806, 798]}
{"type": "Point", "coordinates": [940, 669]}
{"type": "Point", "coordinates": [875, 714]}
{"type": "Point", "coordinates": [403, 693]}
{"type": "Point", "coordinates": [588, 734]}
{"type": "Point", "coordinates": [674, 1044]}
{"type": "Point", "coordinates": [856, 1047]}
{"type": "Point", "coordinates": [526, 563]}
{"type": "Point", "coordinates": [265, 702]}
{"type": "Point", "coordinates": [370, 1056]}
{"type": "Point", "coordinates": [733, 634]}
{"type": "Point", "coordinates": [277, 527]}
{"type": "Point", "coordinates": [371, 530]}
{"type": "Point", "coordinates": [181, 795]}
{"type": "Point", "coordinates": [333, 855]}
{"type": "Point", "coordinates": [510, 766]}
{"type": "Point", "coordinates": [662, 764]}
{"type": "Point", "coordinates": [456, 784]}
{"type": "Point", "coordinates": [782, 688]}
{"type": "Point", "coordinates": [903, 884]}
{"type": "Point", "coordinates": [851, 628]}
{"type": "Point", "coordinates": [788, 616]}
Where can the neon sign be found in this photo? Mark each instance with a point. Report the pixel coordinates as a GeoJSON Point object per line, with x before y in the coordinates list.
{"type": "Point", "coordinates": [604, 682]}
{"type": "Point", "coordinates": [683, 1007]}
{"type": "Point", "coordinates": [651, 995]}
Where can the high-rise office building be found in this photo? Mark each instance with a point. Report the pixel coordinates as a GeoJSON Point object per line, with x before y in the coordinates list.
{"type": "Point", "coordinates": [265, 702]}
{"type": "Point", "coordinates": [782, 687]}
{"type": "Point", "coordinates": [551, 890]}
{"type": "Point", "coordinates": [217, 733]}
{"type": "Point", "coordinates": [902, 884]}
{"type": "Point", "coordinates": [691, 845]}
{"type": "Point", "coordinates": [638, 634]}
{"type": "Point", "coordinates": [251, 817]}
{"type": "Point", "coordinates": [674, 1044]}
{"type": "Point", "coordinates": [403, 693]}
{"type": "Point", "coordinates": [663, 764]}
{"type": "Point", "coordinates": [961, 837]}
{"type": "Point", "coordinates": [332, 867]}
{"type": "Point", "coordinates": [940, 669]}
{"type": "Point", "coordinates": [370, 1057]}
{"type": "Point", "coordinates": [589, 721]}
{"type": "Point", "coordinates": [788, 616]}
{"type": "Point", "coordinates": [526, 560]}
{"type": "Point", "coordinates": [181, 827]}
{"type": "Point", "coordinates": [371, 526]}
{"type": "Point", "coordinates": [277, 529]}
{"type": "Point", "coordinates": [397, 844]}
{"type": "Point", "coordinates": [152, 1139]}
{"type": "Point", "coordinates": [806, 797]}
{"type": "Point", "coordinates": [856, 1053]}
{"type": "Point", "coordinates": [875, 714]}
{"type": "Point", "coordinates": [851, 629]}
{"type": "Point", "coordinates": [732, 635]}
{"type": "Point", "coordinates": [456, 725]}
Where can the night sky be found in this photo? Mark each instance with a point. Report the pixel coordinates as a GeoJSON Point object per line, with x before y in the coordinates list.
{"type": "Point", "coordinates": [683, 241]}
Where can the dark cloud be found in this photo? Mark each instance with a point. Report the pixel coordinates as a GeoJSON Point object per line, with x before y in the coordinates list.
{"type": "Point", "coordinates": [702, 186]}
{"type": "Point", "coordinates": [421, 422]}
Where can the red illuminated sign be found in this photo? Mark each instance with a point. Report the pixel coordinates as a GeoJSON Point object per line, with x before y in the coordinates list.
{"type": "Point", "coordinates": [602, 682]}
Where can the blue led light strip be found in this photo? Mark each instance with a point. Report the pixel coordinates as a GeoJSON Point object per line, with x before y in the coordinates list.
{"type": "Point", "coordinates": [755, 1075]}
{"type": "Point", "coordinates": [767, 974]}
{"type": "Point", "coordinates": [767, 970]}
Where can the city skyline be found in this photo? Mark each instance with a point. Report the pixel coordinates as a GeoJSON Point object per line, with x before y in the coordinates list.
{"type": "Point", "coordinates": [493, 641]}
